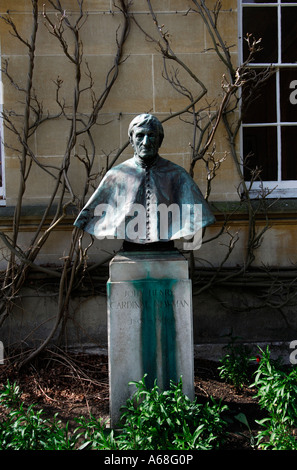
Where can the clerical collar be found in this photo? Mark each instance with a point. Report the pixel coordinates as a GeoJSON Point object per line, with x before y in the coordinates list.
{"type": "Point", "coordinates": [146, 163]}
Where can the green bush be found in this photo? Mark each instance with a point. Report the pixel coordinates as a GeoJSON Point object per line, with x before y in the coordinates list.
{"type": "Point", "coordinates": [151, 420]}
{"type": "Point", "coordinates": [277, 394]}
{"type": "Point", "coordinates": [154, 420]}
{"type": "Point", "coordinates": [28, 429]}
{"type": "Point", "coordinates": [235, 367]}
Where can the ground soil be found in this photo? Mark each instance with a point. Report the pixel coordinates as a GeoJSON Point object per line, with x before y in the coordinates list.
{"type": "Point", "coordinates": [77, 385]}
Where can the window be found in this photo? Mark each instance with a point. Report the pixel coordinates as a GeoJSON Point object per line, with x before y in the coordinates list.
{"type": "Point", "coordinates": [269, 129]}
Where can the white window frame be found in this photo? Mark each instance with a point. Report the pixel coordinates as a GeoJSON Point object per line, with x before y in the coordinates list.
{"type": "Point", "coordinates": [278, 188]}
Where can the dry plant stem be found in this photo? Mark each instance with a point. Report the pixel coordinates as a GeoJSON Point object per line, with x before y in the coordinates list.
{"type": "Point", "coordinates": [17, 273]}
{"type": "Point", "coordinates": [167, 53]}
{"type": "Point", "coordinates": [210, 19]}
{"type": "Point", "coordinates": [163, 44]}
{"type": "Point", "coordinates": [74, 267]}
{"type": "Point", "coordinates": [11, 271]}
{"type": "Point", "coordinates": [75, 257]}
{"type": "Point", "coordinates": [201, 145]}
{"type": "Point", "coordinates": [244, 76]}
{"type": "Point", "coordinates": [237, 79]}
{"type": "Point", "coordinates": [24, 160]}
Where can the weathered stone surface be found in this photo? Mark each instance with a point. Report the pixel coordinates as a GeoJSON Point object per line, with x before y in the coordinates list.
{"type": "Point", "coordinates": [149, 324]}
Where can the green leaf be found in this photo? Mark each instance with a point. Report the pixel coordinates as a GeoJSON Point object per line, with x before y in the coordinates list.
{"type": "Point", "coordinates": [241, 417]}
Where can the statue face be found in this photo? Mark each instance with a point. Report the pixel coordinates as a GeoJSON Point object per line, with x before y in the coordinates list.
{"type": "Point", "coordinates": [145, 142]}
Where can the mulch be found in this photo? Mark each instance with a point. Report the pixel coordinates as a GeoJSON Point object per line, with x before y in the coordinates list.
{"type": "Point", "coordinates": [77, 385]}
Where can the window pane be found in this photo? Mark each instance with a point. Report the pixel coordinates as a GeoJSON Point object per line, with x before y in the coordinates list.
{"type": "Point", "coordinates": [289, 34]}
{"type": "Point", "coordinates": [261, 144]}
{"type": "Point", "coordinates": [289, 153]}
{"type": "Point", "coordinates": [288, 94]}
{"type": "Point", "coordinates": [259, 1]}
{"type": "Point", "coordinates": [261, 22]}
{"type": "Point", "coordinates": [259, 106]}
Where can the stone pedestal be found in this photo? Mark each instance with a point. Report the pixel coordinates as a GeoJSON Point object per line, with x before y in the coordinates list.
{"type": "Point", "coordinates": [149, 324]}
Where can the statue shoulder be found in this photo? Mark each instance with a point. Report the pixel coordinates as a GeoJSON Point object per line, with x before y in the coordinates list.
{"type": "Point", "coordinates": [117, 169]}
{"type": "Point", "coordinates": [167, 165]}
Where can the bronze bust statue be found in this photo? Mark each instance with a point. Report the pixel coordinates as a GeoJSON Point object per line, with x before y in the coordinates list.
{"type": "Point", "coordinates": [146, 199]}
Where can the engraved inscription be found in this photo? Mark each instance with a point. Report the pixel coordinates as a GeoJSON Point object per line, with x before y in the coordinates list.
{"type": "Point", "coordinates": [132, 299]}
{"type": "Point", "coordinates": [125, 304]}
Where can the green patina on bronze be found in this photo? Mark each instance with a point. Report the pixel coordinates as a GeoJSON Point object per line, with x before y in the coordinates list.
{"type": "Point", "coordinates": [149, 185]}
{"type": "Point", "coordinates": [158, 332]}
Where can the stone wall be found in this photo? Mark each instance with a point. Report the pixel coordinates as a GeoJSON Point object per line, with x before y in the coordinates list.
{"type": "Point", "coordinates": [219, 315]}
{"type": "Point", "coordinates": [140, 87]}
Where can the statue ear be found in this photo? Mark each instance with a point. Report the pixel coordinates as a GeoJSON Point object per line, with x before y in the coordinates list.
{"type": "Point", "coordinates": [161, 138]}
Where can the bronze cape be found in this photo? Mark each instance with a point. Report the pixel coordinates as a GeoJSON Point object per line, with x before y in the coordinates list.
{"type": "Point", "coordinates": [125, 203]}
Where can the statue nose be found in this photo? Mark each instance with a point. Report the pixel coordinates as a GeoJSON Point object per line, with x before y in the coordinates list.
{"type": "Point", "coordinates": [145, 140]}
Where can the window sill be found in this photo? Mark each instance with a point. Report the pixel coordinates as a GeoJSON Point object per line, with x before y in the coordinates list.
{"type": "Point", "coordinates": [275, 208]}
{"type": "Point", "coordinates": [274, 190]}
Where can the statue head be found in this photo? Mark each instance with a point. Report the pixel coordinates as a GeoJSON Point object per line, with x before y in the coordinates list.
{"type": "Point", "coordinates": [146, 135]}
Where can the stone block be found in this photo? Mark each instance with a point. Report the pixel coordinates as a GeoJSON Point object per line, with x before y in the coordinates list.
{"type": "Point", "coordinates": [52, 137]}
{"type": "Point", "coordinates": [178, 137]}
{"type": "Point", "coordinates": [226, 5]}
{"type": "Point", "coordinates": [142, 6]}
{"type": "Point", "coordinates": [149, 324]}
{"type": "Point", "coordinates": [177, 26]}
{"type": "Point", "coordinates": [99, 33]}
{"type": "Point", "coordinates": [226, 20]}
{"type": "Point", "coordinates": [88, 5]}
{"type": "Point", "coordinates": [180, 5]}
{"type": "Point", "coordinates": [22, 6]}
{"type": "Point", "coordinates": [14, 99]}
{"type": "Point", "coordinates": [133, 91]}
{"type": "Point", "coordinates": [125, 267]}
{"type": "Point", "coordinates": [23, 22]}
{"type": "Point", "coordinates": [206, 66]}
{"type": "Point", "coordinates": [105, 134]}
